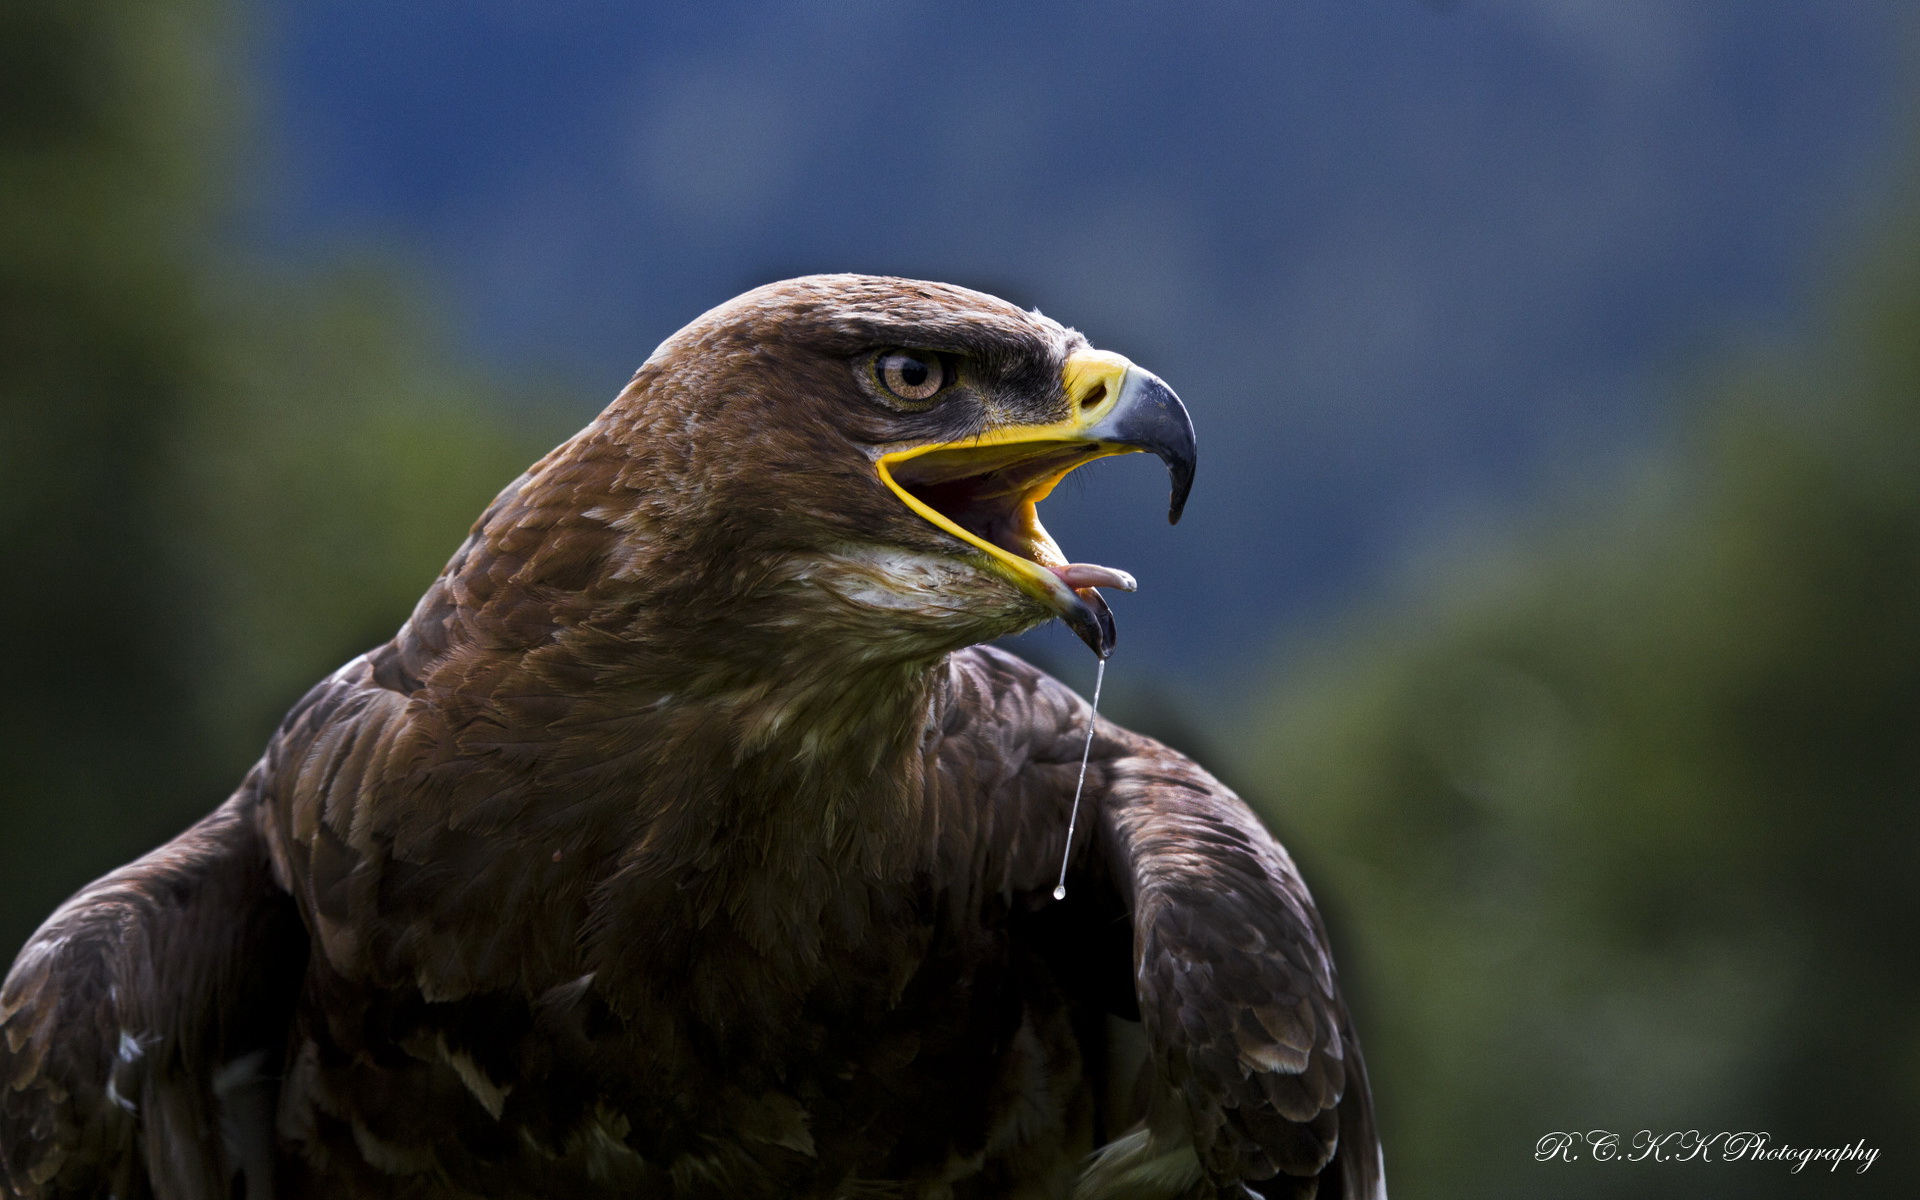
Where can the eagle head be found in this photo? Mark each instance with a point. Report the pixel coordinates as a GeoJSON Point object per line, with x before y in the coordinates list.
{"type": "Point", "coordinates": [862, 456]}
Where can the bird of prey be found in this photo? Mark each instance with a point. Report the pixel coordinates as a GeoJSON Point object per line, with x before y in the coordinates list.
{"type": "Point", "coordinates": [686, 841]}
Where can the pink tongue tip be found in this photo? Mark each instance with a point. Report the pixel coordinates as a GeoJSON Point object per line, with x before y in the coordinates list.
{"type": "Point", "coordinates": [1086, 575]}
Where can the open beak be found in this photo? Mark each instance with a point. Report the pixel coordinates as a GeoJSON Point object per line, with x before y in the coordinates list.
{"type": "Point", "coordinates": [983, 490]}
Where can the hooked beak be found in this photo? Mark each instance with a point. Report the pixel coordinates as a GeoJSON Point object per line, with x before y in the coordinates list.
{"type": "Point", "coordinates": [983, 490]}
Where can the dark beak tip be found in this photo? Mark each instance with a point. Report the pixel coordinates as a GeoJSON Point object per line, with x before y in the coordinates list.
{"type": "Point", "coordinates": [1148, 416]}
{"type": "Point", "coordinates": [1161, 426]}
{"type": "Point", "coordinates": [1182, 487]}
{"type": "Point", "coordinates": [1092, 622]}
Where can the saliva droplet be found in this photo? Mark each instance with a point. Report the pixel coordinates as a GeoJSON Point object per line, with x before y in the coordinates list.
{"type": "Point", "coordinates": [1086, 750]}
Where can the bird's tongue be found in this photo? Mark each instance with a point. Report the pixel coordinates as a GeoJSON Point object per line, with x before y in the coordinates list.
{"type": "Point", "coordinates": [1091, 575]}
{"type": "Point", "coordinates": [1092, 622]}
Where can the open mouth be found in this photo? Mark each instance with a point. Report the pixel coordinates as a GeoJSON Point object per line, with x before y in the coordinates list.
{"type": "Point", "coordinates": [983, 491]}
{"type": "Point", "coordinates": [987, 496]}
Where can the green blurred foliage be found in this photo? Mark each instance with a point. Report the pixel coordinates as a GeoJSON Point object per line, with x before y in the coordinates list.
{"type": "Point", "coordinates": [1624, 821]}
{"type": "Point", "coordinates": [217, 481]}
{"type": "Point", "coordinates": [325, 480]}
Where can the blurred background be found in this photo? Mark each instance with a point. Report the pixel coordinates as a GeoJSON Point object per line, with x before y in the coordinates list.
{"type": "Point", "coordinates": [1552, 575]}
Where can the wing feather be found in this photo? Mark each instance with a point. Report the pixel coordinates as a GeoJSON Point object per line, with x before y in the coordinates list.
{"type": "Point", "coordinates": [137, 1025]}
{"type": "Point", "coordinates": [1258, 1078]}
{"type": "Point", "coordinates": [1237, 986]}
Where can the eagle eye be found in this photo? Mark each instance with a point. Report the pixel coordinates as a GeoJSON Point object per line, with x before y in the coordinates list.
{"type": "Point", "coordinates": [912, 375]}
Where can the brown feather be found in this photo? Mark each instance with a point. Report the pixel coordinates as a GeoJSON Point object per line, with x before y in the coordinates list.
{"type": "Point", "coordinates": [678, 846]}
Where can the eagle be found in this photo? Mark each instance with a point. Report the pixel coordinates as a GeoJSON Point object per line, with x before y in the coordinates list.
{"type": "Point", "coordinates": [688, 841]}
